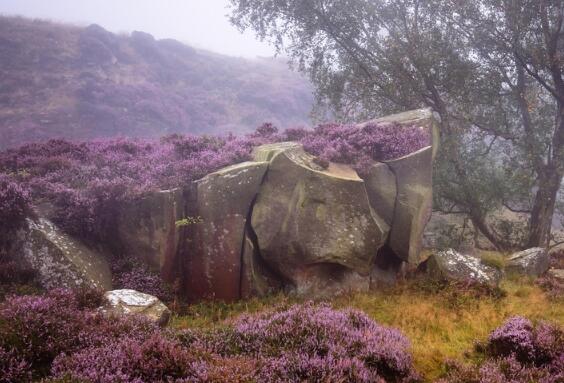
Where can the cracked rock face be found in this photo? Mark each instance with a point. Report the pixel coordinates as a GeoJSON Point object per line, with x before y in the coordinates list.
{"type": "Point", "coordinates": [413, 205]}
{"type": "Point", "coordinates": [452, 265]}
{"type": "Point", "coordinates": [60, 260]}
{"type": "Point", "coordinates": [222, 201]}
{"type": "Point", "coordinates": [315, 226]}
{"type": "Point", "coordinates": [533, 262]}
{"type": "Point", "coordinates": [127, 301]}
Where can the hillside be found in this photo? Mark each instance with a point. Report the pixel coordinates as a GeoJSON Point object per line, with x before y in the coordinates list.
{"type": "Point", "coordinates": [62, 81]}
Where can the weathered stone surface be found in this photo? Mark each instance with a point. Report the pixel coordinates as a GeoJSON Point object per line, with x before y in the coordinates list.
{"type": "Point", "coordinates": [213, 259]}
{"type": "Point", "coordinates": [314, 225]}
{"type": "Point", "coordinates": [533, 262]}
{"type": "Point", "coordinates": [146, 229]}
{"type": "Point", "coordinates": [413, 206]}
{"type": "Point", "coordinates": [60, 260]}
{"type": "Point", "coordinates": [126, 301]}
{"type": "Point", "coordinates": [382, 190]}
{"type": "Point", "coordinates": [452, 265]}
{"type": "Point", "coordinates": [556, 274]}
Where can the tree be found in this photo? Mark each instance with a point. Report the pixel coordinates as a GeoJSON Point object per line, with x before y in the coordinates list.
{"type": "Point", "coordinates": [492, 69]}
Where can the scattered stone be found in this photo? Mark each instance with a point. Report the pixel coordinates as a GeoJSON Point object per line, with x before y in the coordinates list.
{"type": "Point", "coordinates": [556, 274]}
{"type": "Point", "coordinates": [534, 262]}
{"type": "Point", "coordinates": [60, 260]}
{"type": "Point", "coordinates": [452, 265]}
{"type": "Point", "coordinates": [126, 301]}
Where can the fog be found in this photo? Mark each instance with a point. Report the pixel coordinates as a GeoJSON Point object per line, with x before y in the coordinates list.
{"type": "Point", "coordinates": [200, 23]}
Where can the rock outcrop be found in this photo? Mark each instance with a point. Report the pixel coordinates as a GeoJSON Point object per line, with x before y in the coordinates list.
{"type": "Point", "coordinates": [60, 260]}
{"type": "Point", "coordinates": [285, 222]}
{"type": "Point", "coordinates": [127, 302]}
{"type": "Point", "coordinates": [452, 265]}
{"type": "Point", "coordinates": [315, 225]}
{"type": "Point", "coordinates": [532, 262]}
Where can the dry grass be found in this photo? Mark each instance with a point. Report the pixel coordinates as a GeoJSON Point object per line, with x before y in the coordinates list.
{"type": "Point", "coordinates": [441, 324]}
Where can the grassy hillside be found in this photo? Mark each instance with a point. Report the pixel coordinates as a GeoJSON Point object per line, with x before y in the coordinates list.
{"type": "Point", "coordinates": [61, 81]}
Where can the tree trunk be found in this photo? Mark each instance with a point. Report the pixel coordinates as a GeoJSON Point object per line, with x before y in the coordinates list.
{"type": "Point", "coordinates": [549, 184]}
{"type": "Point", "coordinates": [543, 209]}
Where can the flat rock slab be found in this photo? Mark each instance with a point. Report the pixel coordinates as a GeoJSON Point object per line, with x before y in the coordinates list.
{"type": "Point", "coordinates": [60, 260]}
{"type": "Point", "coordinates": [127, 302]}
{"type": "Point", "coordinates": [452, 265]}
{"type": "Point", "coordinates": [213, 260]}
{"type": "Point", "coordinates": [313, 223]}
{"type": "Point", "coordinates": [534, 262]}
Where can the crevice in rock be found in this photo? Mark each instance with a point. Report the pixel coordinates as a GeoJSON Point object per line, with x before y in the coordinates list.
{"type": "Point", "coordinates": [249, 232]}
{"type": "Point", "coordinates": [395, 200]}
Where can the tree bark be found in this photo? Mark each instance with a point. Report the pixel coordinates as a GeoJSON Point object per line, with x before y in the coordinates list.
{"type": "Point", "coordinates": [550, 180]}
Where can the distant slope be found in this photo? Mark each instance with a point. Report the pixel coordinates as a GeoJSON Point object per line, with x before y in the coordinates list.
{"type": "Point", "coordinates": [79, 83]}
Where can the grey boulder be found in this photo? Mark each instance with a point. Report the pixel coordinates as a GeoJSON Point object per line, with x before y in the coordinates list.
{"type": "Point", "coordinates": [452, 265]}
{"type": "Point", "coordinates": [60, 260]}
{"type": "Point", "coordinates": [314, 225]}
{"type": "Point", "coordinates": [533, 262]}
{"type": "Point", "coordinates": [127, 302]}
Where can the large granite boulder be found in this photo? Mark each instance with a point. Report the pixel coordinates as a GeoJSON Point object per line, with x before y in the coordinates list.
{"type": "Point", "coordinates": [452, 265]}
{"type": "Point", "coordinates": [533, 262]}
{"type": "Point", "coordinates": [127, 302]}
{"type": "Point", "coordinates": [221, 204]}
{"type": "Point", "coordinates": [60, 260]}
{"type": "Point", "coordinates": [146, 229]}
{"type": "Point", "coordinates": [314, 225]}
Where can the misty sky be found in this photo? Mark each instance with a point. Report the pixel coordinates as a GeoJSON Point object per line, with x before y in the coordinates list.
{"type": "Point", "coordinates": [201, 23]}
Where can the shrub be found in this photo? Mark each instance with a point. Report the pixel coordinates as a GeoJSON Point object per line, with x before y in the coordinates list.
{"type": "Point", "coordinates": [88, 182]}
{"type": "Point", "coordinates": [14, 205]}
{"type": "Point", "coordinates": [309, 343]}
{"type": "Point", "coordinates": [12, 368]}
{"type": "Point", "coordinates": [359, 147]}
{"type": "Point", "coordinates": [36, 329]}
{"type": "Point", "coordinates": [128, 273]}
{"type": "Point", "coordinates": [156, 359]}
{"type": "Point", "coordinates": [517, 351]}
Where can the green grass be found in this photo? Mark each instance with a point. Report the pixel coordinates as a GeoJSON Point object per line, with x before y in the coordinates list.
{"type": "Point", "coordinates": [441, 323]}
{"type": "Point", "coordinates": [493, 259]}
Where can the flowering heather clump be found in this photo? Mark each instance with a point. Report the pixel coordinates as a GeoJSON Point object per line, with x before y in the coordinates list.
{"type": "Point", "coordinates": [36, 329]}
{"type": "Point", "coordinates": [87, 182]}
{"type": "Point", "coordinates": [359, 147]}
{"type": "Point", "coordinates": [517, 352]}
{"type": "Point", "coordinates": [156, 359]}
{"type": "Point", "coordinates": [14, 204]}
{"type": "Point", "coordinates": [316, 343]}
{"type": "Point", "coordinates": [128, 274]}
{"type": "Point", "coordinates": [13, 369]}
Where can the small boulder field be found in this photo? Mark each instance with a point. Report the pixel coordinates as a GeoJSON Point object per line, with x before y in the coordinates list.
{"type": "Point", "coordinates": [278, 256]}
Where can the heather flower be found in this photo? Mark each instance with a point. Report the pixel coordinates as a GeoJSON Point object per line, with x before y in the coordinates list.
{"type": "Point", "coordinates": [36, 329]}
{"type": "Point", "coordinates": [156, 359]}
{"type": "Point", "coordinates": [318, 337]}
{"type": "Point", "coordinates": [516, 352]}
